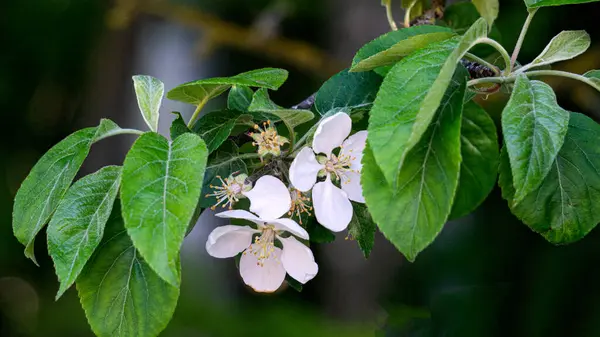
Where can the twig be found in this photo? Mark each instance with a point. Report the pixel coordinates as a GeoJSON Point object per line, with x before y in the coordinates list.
{"type": "Point", "coordinates": [307, 103]}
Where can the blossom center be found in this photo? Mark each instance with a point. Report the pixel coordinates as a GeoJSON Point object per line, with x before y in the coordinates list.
{"type": "Point", "coordinates": [230, 191]}
{"type": "Point", "coordinates": [264, 245]}
{"type": "Point", "coordinates": [267, 139]}
{"type": "Point", "coordinates": [339, 165]}
{"type": "Point", "coordinates": [299, 204]}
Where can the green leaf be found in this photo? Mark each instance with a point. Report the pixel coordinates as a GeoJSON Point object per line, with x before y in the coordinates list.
{"type": "Point", "coordinates": [77, 226]}
{"type": "Point", "coordinates": [362, 229]}
{"type": "Point", "coordinates": [216, 126]}
{"type": "Point", "coordinates": [399, 50]}
{"type": "Point", "coordinates": [534, 129]}
{"type": "Point", "coordinates": [347, 91]}
{"type": "Point", "coordinates": [149, 92]}
{"type": "Point", "coordinates": [488, 9]}
{"type": "Point", "coordinates": [291, 117]}
{"type": "Point", "coordinates": [479, 166]}
{"type": "Point", "coordinates": [221, 164]}
{"type": "Point", "coordinates": [293, 283]}
{"type": "Point", "coordinates": [412, 214]}
{"type": "Point", "coordinates": [239, 98]}
{"type": "Point", "coordinates": [107, 128]}
{"type": "Point", "coordinates": [544, 3]}
{"type": "Point", "coordinates": [409, 97]}
{"type": "Point", "coordinates": [564, 46]}
{"type": "Point", "coordinates": [594, 76]}
{"type": "Point", "coordinates": [565, 207]}
{"type": "Point", "coordinates": [160, 190]}
{"type": "Point", "coordinates": [42, 190]}
{"type": "Point", "coordinates": [200, 91]}
{"type": "Point", "coordinates": [121, 295]}
{"type": "Point", "coordinates": [317, 233]}
{"type": "Point", "coordinates": [386, 41]}
{"type": "Point", "coordinates": [178, 127]}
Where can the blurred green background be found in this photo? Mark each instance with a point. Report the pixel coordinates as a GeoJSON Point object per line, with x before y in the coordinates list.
{"type": "Point", "coordinates": [64, 64]}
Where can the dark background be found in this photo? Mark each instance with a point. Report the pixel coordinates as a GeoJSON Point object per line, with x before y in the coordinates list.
{"type": "Point", "coordinates": [64, 64]}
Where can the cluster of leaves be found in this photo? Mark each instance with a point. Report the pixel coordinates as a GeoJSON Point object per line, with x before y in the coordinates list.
{"type": "Point", "coordinates": [432, 156]}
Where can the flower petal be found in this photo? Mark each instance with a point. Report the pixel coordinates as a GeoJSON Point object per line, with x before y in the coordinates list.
{"type": "Point", "coordinates": [351, 185]}
{"type": "Point", "coordinates": [354, 147]}
{"type": "Point", "coordinates": [332, 207]}
{"type": "Point", "coordinates": [331, 132]}
{"type": "Point", "coordinates": [240, 214]}
{"type": "Point", "coordinates": [298, 260]}
{"type": "Point", "coordinates": [304, 170]}
{"type": "Point", "coordinates": [269, 198]}
{"type": "Point", "coordinates": [228, 241]}
{"type": "Point", "coordinates": [263, 277]}
{"type": "Point", "coordinates": [291, 226]}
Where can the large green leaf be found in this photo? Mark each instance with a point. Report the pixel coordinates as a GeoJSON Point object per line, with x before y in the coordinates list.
{"type": "Point", "coordinates": [479, 167]}
{"type": "Point", "coordinates": [399, 50]}
{"type": "Point", "coordinates": [566, 206]}
{"type": "Point", "coordinates": [160, 190]}
{"type": "Point", "coordinates": [239, 98]}
{"type": "Point", "coordinates": [362, 229]}
{"type": "Point", "coordinates": [42, 190]}
{"type": "Point", "coordinates": [291, 117]}
{"type": "Point", "coordinates": [149, 92]}
{"type": "Point", "coordinates": [347, 91]}
{"type": "Point", "coordinates": [488, 9]}
{"type": "Point", "coordinates": [200, 91]}
{"type": "Point", "coordinates": [77, 226]}
{"type": "Point", "coordinates": [412, 214]}
{"type": "Point", "coordinates": [564, 46]}
{"type": "Point", "coordinates": [121, 295]}
{"type": "Point", "coordinates": [216, 126]}
{"type": "Point", "coordinates": [409, 97]}
{"type": "Point", "coordinates": [534, 129]}
{"type": "Point", "coordinates": [544, 3]}
{"type": "Point", "coordinates": [388, 40]}
{"type": "Point", "coordinates": [221, 164]}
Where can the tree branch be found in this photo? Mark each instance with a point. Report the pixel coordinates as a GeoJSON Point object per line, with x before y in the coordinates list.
{"type": "Point", "coordinates": [218, 32]}
{"type": "Point", "coordinates": [307, 103]}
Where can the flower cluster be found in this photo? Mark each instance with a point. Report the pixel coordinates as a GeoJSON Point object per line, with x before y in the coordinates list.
{"type": "Point", "coordinates": [273, 245]}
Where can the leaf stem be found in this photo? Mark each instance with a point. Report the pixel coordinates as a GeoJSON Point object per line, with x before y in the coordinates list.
{"type": "Point", "coordinates": [389, 14]}
{"type": "Point", "coordinates": [197, 112]}
{"type": "Point", "coordinates": [119, 132]}
{"type": "Point", "coordinates": [566, 74]}
{"type": "Point", "coordinates": [517, 49]}
{"type": "Point", "coordinates": [407, 13]}
{"type": "Point", "coordinates": [500, 49]}
{"type": "Point", "coordinates": [534, 73]}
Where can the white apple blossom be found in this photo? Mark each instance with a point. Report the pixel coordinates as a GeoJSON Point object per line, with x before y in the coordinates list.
{"type": "Point", "coordinates": [332, 205]}
{"type": "Point", "coordinates": [263, 265]}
